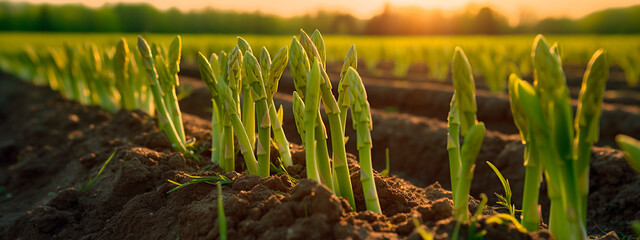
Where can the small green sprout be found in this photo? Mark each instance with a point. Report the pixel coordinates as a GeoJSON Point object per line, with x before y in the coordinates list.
{"type": "Point", "coordinates": [472, 234]}
{"type": "Point", "coordinates": [424, 234]}
{"type": "Point", "coordinates": [93, 179]}
{"type": "Point", "coordinates": [385, 172]}
{"type": "Point", "coordinates": [222, 219]}
{"type": "Point", "coordinates": [198, 179]}
{"type": "Point", "coordinates": [504, 201]}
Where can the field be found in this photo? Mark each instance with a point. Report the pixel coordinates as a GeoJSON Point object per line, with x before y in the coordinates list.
{"type": "Point", "coordinates": [417, 58]}
{"type": "Point", "coordinates": [52, 145]}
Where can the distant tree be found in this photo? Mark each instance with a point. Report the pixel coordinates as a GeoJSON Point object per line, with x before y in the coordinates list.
{"type": "Point", "coordinates": [484, 22]}
{"type": "Point", "coordinates": [612, 21]}
{"type": "Point", "coordinates": [556, 26]}
{"type": "Point", "coordinates": [488, 21]}
{"type": "Point", "coordinates": [380, 24]}
{"type": "Point", "coordinates": [344, 24]}
{"type": "Point", "coordinates": [44, 20]}
{"type": "Point", "coordinates": [137, 17]}
{"type": "Point", "coordinates": [5, 18]}
{"type": "Point", "coordinates": [390, 21]}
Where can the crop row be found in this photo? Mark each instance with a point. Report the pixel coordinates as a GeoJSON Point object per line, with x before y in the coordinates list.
{"type": "Point", "coordinates": [242, 84]}
{"type": "Point", "coordinates": [493, 57]}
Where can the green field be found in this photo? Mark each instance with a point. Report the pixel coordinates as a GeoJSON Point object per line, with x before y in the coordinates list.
{"type": "Point", "coordinates": [493, 57]}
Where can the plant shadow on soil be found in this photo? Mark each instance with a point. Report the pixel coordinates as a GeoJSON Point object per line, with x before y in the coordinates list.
{"type": "Point", "coordinates": [50, 145]}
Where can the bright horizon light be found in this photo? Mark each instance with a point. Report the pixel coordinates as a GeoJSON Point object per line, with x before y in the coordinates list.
{"type": "Point", "coordinates": [363, 9]}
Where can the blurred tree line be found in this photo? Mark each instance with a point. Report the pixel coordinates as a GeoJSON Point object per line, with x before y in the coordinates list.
{"type": "Point", "coordinates": [146, 18]}
{"type": "Point", "coordinates": [391, 21]}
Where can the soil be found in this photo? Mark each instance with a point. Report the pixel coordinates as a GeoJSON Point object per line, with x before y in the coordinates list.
{"type": "Point", "coordinates": [51, 147]}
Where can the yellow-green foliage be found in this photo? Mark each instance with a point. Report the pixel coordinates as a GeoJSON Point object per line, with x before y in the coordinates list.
{"type": "Point", "coordinates": [495, 56]}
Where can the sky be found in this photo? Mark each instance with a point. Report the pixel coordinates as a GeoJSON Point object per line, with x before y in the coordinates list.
{"type": "Point", "coordinates": [367, 8]}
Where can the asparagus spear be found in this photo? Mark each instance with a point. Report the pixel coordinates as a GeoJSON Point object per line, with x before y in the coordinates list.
{"type": "Point", "coordinates": [271, 86]}
{"type": "Point", "coordinates": [209, 77]}
{"type": "Point", "coordinates": [361, 113]}
{"type": "Point", "coordinates": [331, 107]}
{"type": "Point", "coordinates": [154, 83]}
{"type": "Point", "coordinates": [462, 121]}
{"type": "Point", "coordinates": [253, 74]}
{"type": "Point", "coordinates": [248, 104]}
{"type": "Point", "coordinates": [587, 120]}
{"type": "Point", "coordinates": [231, 111]}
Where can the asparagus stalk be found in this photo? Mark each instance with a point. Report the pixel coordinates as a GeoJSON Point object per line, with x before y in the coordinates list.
{"type": "Point", "coordinates": [333, 111]}
{"type": "Point", "coordinates": [271, 87]}
{"type": "Point", "coordinates": [299, 66]}
{"type": "Point", "coordinates": [170, 98]}
{"type": "Point", "coordinates": [533, 173]}
{"type": "Point", "coordinates": [76, 86]}
{"type": "Point", "coordinates": [550, 83]}
{"type": "Point", "coordinates": [324, 164]}
{"type": "Point", "coordinates": [631, 149]}
{"type": "Point", "coordinates": [312, 100]}
{"type": "Point", "coordinates": [143, 95]}
{"type": "Point", "coordinates": [171, 82]}
{"type": "Point", "coordinates": [58, 66]}
{"type": "Point", "coordinates": [154, 83]}
{"type": "Point", "coordinates": [587, 120]}
{"type": "Point", "coordinates": [231, 110]}
{"type": "Point", "coordinates": [244, 45]}
{"type": "Point", "coordinates": [361, 113]}
{"type": "Point", "coordinates": [318, 42]}
{"type": "Point", "coordinates": [265, 62]}
{"type": "Point", "coordinates": [309, 48]}
{"type": "Point", "coordinates": [541, 147]}
{"type": "Point", "coordinates": [36, 73]}
{"type": "Point", "coordinates": [461, 120]}
{"type": "Point", "coordinates": [253, 77]}
{"type": "Point", "coordinates": [248, 104]}
{"type": "Point", "coordinates": [223, 67]}
{"type": "Point", "coordinates": [123, 82]}
{"type": "Point", "coordinates": [209, 77]}
{"type": "Point", "coordinates": [322, 152]}
{"type": "Point", "coordinates": [298, 114]}
{"type": "Point", "coordinates": [232, 72]}
{"type": "Point", "coordinates": [351, 60]}
{"type": "Point", "coordinates": [305, 85]}
{"type": "Point", "coordinates": [92, 68]}
{"type": "Point", "coordinates": [218, 63]}
{"type": "Point", "coordinates": [468, 154]}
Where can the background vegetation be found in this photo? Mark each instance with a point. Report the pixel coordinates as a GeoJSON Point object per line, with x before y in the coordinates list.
{"type": "Point", "coordinates": [391, 21]}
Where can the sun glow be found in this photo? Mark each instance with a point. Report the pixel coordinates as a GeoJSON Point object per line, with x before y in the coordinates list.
{"type": "Point", "coordinates": [367, 8]}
